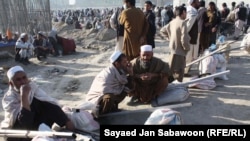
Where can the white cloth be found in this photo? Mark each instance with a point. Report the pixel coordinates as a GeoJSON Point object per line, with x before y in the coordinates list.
{"type": "Point", "coordinates": [192, 14]}
{"type": "Point", "coordinates": [119, 44]}
{"type": "Point", "coordinates": [114, 56]}
{"type": "Point", "coordinates": [239, 24]}
{"type": "Point", "coordinates": [146, 48]}
{"type": "Point", "coordinates": [191, 11]}
{"type": "Point", "coordinates": [26, 48]}
{"type": "Point", "coordinates": [12, 105]}
{"type": "Point", "coordinates": [108, 81]}
{"type": "Point", "coordinates": [190, 1]}
{"type": "Point", "coordinates": [245, 43]}
{"type": "Point", "coordinates": [112, 21]}
{"type": "Point", "coordinates": [12, 71]}
{"type": "Point", "coordinates": [23, 35]}
{"type": "Point", "coordinates": [192, 55]}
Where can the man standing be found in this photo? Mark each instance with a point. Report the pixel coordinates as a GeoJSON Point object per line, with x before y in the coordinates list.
{"type": "Point", "coordinates": [135, 29]}
{"type": "Point", "coordinates": [114, 23]}
{"type": "Point", "coordinates": [203, 31]}
{"type": "Point", "coordinates": [26, 106]}
{"type": "Point", "coordinates": [150, 16]}
{"type": "Point", "coordinates": [192, 25]}
{"type": "Point", "coordinates": [150, 76]}
{"type": "Point", "coordinates": [178, 36]}
{"type": "Point", "coordinates": [240, 16]}
{"type": "Point", "coordinates": [164, 16]}
{"type": "Point", "coordinates": [111, 85]}
{"type": "Point", "coordinates": [224, 11]}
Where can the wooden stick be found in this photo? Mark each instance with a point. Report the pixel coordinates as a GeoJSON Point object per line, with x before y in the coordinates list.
{"type": "Point", "coordinates": [31, 134]}
{"type": "Point", "coordinates": [146, 109]}
{"type": "Point", "coordinates": [203, 57]}
{"type": "Point", "coordinates": [200, 79]}
{"type": "Point", "coordinates": [232, 49]}
{"type": "Point", "coordinates": [211, 53]}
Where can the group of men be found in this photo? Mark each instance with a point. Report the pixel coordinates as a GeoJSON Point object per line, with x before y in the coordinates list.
{"type": "Point", "coordinates": [27, 106]}
{"type": "Point", "coordinates": [134, 27]}
{"type": "Point", "coordinates": [39, 46]}
{"type": "Point", "coordinates": [143, 79]}
{"type": "Point", "coordinates": [133, 69]}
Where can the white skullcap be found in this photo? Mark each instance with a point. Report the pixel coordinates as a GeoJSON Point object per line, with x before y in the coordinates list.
{"type": "Point", "coordinates": [23, 35]}
{"type": "Point", "coordinates": [114, 56]}
{"type": "Point", "coordinates": [190, 1]}
{"type": "Point", "coordinates": [13, 70]}
{"type": "Point", "coordinates": [146, 48]}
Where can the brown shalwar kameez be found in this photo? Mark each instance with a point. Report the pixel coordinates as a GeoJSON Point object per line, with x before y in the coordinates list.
{"type": "Point", "coordinates": [148, 90]}
{"type": "Point", "coordinates": [135, 27]}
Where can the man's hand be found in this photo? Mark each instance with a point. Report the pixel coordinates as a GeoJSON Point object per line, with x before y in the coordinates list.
{"type": "Point", "coordinates": [146, 76]}
{"type": "Point", "coordinates": [24, 92]}
{"type": "Point", "coordinates": [214, 29]}
{"type": "Point", "coordinates": [129, 69]}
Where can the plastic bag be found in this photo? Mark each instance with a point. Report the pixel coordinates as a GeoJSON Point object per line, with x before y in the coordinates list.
{"type": "Point", "coordinates": [171, 95]}
{"type": "Point", "coordinates": [82, 119]}
{"type": "Point", "coordinates": [163, 117]}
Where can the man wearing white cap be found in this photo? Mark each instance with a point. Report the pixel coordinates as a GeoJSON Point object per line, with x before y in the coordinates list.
{"type": "Point", "coordinates": [26, 105]}
{"type": "Point", "coordinates": [111, 85]}
{"type": "Point", "coordinates": [150, 75]}
{"type": "Point", "coordinates": [24, 49]}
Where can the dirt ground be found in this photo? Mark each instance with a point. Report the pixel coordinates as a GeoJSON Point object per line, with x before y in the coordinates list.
{"type": "Point", "coordinates": [69, 78]}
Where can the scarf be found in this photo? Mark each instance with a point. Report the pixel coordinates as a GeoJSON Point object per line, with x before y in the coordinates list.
{"type": "Point", "coordinates": [191, 11]}
{"type": "Point", "coordinates": [109, 80]}
{"type": "Point", "coordinates": [11, 103]}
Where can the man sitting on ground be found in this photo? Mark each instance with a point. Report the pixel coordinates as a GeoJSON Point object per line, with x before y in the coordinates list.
{"type": "Point", "coordinates": [42, 45]}
{"type": "Point", "coordinates": [111, 85]}
{"type": "Point", "coordinates": [150, 76]}
{"type": "Point", "coordinates": [23, 49]}
{"type": "Point", "coordinates": [26, 105]}
{"type": "Point", "coordinates": [53, 38]}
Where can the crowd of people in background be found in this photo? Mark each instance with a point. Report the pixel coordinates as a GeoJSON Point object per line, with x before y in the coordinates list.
{"type": "Point", "coordinates": [211, 21]}
{"type": "Point", "coordinates": [134, 70]}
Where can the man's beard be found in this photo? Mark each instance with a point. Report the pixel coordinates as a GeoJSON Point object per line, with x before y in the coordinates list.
{"type": "Point", "coordinates": [145, 64]}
